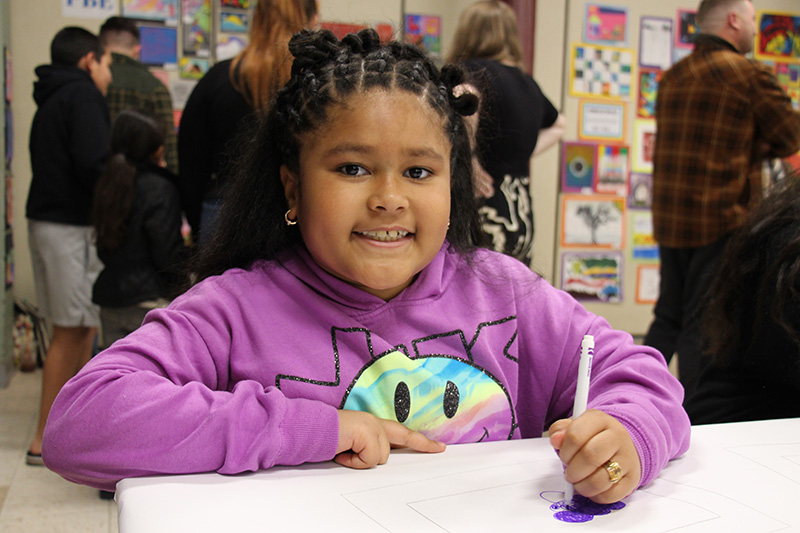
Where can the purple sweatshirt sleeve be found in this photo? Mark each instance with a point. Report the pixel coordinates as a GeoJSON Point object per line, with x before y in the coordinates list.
{"type": "Point", "coordinates": [629, 382]}
{"type": "Point", "coordinates": [162, 401]}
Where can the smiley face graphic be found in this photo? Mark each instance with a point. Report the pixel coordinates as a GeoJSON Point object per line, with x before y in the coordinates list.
{"type": "Point", "coordinates": [445, 398]}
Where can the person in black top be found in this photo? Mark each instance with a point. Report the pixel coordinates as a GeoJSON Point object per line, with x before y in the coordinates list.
{"type": "Point", "coordinates": [137, 221]}
{"type": "Point", "coordinates": [752, 322]}
{"type": "Point", "coordinates": [516, 122]}
{"type": "Point", "coordinates": [216, 116]}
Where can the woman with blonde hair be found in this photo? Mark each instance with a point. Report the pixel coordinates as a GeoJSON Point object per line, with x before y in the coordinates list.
{"type": "Point", "coordinates": [516, 122]}
{"type": "Point", "coordinates": [231, 93]}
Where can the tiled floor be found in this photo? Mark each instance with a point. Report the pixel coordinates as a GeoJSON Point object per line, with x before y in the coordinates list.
{"type": "Point", "coordinates": [33, 499]}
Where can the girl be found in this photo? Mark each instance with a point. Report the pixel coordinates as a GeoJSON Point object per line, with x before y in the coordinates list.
{"type": "Point", "coordinates": [517, 122]}
{"type": "Point", "coordinates": [342, 309]}
{"type": "Point", "coordinates": [137, 221]}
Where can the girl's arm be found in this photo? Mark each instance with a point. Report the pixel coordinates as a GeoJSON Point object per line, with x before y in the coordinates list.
{"type": "Point", "coordinates": [550, 136]}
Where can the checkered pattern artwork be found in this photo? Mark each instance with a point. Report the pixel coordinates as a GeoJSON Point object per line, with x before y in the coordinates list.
{"type": "Point", "coordinates": [601, 71]}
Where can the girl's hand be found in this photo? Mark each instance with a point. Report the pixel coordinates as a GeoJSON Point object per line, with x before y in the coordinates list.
{"type": "Point", "coordinates": [365, 440]}
{"type": "Point", "coordinates": [586, 444]}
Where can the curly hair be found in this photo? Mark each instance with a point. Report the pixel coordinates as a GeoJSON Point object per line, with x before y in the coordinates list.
{"type": "Point", "coordinates": [757, 286]}
{"type": "Point", "coordinates": [326, 72]}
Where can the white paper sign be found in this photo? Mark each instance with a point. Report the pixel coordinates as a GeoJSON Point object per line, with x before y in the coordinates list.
{"type": "Point", "coordinates": [89, 9]}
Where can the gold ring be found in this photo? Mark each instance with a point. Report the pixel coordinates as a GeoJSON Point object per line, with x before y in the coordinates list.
{"type": "Point", "coordinates": [614, 470]}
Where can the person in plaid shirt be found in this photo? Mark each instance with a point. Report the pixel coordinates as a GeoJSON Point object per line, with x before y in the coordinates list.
{"type": "Point", "coordinates": [718, 116]}
{"type": "Point", "coordinates": [134, 87]}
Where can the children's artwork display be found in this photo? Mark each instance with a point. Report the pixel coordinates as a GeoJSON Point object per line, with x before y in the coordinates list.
{"type": "Point", "coordinates": [644, 143]}
{"type": "Point", "coordinates": [159, 45]}
{"type": "Point", "coordinates": [592, 276]}
{"type": "Point", "coordinates": [601, 71]}
{"type": "Point", "coordinates": [425, 31]}
{"type": "Point", "coordinates": [578, 166]}
{"type": "Point", "coordinates": [605, 25]}
{"type": "Point", "coordinates": [612, 169]}
{"type": "Point", "coordinates": [687, 29]}
{"type": "Point", "coordinates": [193, 68]}
{"type": "Point", "coordinates": [640, 191]}
{"type": "Point", "coordinates": [655, 42]}
{"type": "Point", "coordinates": [788, 75]}
{"type": "Point", "coordinates": [601, 121]}
{"type": "Point", "coordinates": [151, 9]}
{"type": "Point", "coordinates": [648, 280]}
{"type": "Point", "coordinates": [196, 27]}
{"type": "Point", "coordinates": [228, 46]}
{"type": "Point", "coordinates": [643, 244]}
{"type": "Point", "coordinates": [648, 89]}
{"type": "Point", "coordinates": [592, 221]}
{"type": "Point", "coordinates": [233, 21]}
{"type": "Point", "coordinates": [236, 4]}
{"type": "Point", "coordinates": [778, 36]}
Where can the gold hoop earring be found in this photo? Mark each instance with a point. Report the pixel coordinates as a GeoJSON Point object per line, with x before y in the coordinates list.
{"type": "Point", "coordinates": [289, 221]}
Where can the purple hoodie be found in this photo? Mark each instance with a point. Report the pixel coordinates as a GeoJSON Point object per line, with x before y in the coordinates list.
{"type": "Point", "coordinates": [247, 369]}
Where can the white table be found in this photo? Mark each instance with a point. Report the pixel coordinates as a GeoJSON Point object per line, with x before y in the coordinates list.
{"type": "Point", "coordinates": [735, 477]}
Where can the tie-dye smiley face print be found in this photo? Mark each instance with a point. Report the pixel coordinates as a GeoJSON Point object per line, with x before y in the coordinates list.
{"type": "Point", "coordinates": [445, 398]}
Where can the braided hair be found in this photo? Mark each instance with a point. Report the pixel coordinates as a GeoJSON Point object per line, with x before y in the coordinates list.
{"type": "Point", "coordinates": [327, 72]}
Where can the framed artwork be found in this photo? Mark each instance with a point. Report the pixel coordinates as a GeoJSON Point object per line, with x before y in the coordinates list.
{"type": "Point", "coordinates": [601, 71]}
{"type": "Point", "coordinates": [788, 75]}
{"type": "Point", "coordinates": [229, 45]}
{"type": "Point", "coordinates": [655, 42]}
{"type": "Point", "coordinates": [594, 276]}
{"type": "Point", "coordinates": [687, 29]}
{"type": "Point", "coordinates": [196, 27]}
{"type": "Point", "coordinates": [605, 25]}
{"type": "Point", "coordinates": [777, 36]}
{"type": "Point", "coordinates": [592, 221]}
{"type": "Point", "coordinates": [236, 4]}
{"type": "Point", "coordinates": [233, 21]}
{"type": "Point", "coordinates": [166, 10]}
{"type": "Point", "coordinates": [425, 31]}
{"type": "Point", "coordinates": [648, 89]}
{"type": "Point", "coordinates": [159, 45]}
{"type": "Point", "coordinates": [612, 169]}
{"type": "Point", "coordinates": [193, 68]}
{"type": "Point", "coordinates": [643, 244]}
{"type": "Point", "coordinates": [648, 280]}
{"type": "Point", "coordinates": [644, 143]}
{"type": "Point", "coordinates": [578, 166]}
{"type": "Point", "coordinates": [602, 121]}
{"type": "Point", "coordinates": [640, 191]}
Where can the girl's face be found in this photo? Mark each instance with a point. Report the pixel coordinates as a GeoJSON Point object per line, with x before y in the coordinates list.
{"type": "Point", "coordinates": [372, 197]}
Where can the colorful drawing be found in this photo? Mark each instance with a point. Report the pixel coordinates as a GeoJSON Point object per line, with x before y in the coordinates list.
{"type": "Point", "coordinates": [601, 71]}
{"type": "Point", "coordinates": [592, 276]}
{"type": "Point", "coordinates": [612, 169]}
{"type": "Point", "coordinates": [197, 27]}
{"type": "Point", "coordinates": [233, 21]}
{"type": "Point", "coordinates": [605, 25]}
{"type": "Point", "coordinates": [592, 221]}
{"type": "Point", "coordinates": [640, 191]}
{"type": "Point", "coordinates": [151, 9]}
{"type": "Point", "coordinates": [578, 164]}
{"type": "Point", "coordinates": [643, 244]}
{"type": "Point", "coordinates": [193, 68]}
{"type": "Point", "coordinates": [238, 4]}
{"type": "Point", "coordinates": [687, 29]}
{"type": "Point", "coordinates": [644, 144]}
{"type": "Point", "coordinates": [159, 45]}
{"type": "Point", "coordinates": [648, 89]}
{"type": "Point", "coordinates": [228, 46]}
{"type": "Point", "coordinates": [425, 31]}
{"type": "Point", "coordinates": [778, 36]}
{"type": "Point", "coordinates": [601, 121]}
{"type": "Point", "coordinates": [788, 75]}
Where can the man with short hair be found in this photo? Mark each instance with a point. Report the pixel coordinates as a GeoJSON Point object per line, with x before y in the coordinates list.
{"type": "Point", "coordinates": [718, 116]}
{"type": "Point", "coordinates": [69, 143]}
{"type": "Point", "coordinates": [134, 87]}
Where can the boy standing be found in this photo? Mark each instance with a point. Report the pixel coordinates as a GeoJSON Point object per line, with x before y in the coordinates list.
{"type": "Point", "coordinates": [69, 142]}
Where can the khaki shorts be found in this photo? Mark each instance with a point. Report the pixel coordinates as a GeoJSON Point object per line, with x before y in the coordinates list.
{"type": "Point", "coordinates": [65, 267]}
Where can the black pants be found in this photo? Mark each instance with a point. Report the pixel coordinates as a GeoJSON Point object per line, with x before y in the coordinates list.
{"type": "Point", "coordinates": [685, 276]}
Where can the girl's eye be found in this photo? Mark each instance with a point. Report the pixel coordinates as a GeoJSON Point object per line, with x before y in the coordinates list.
{"type": "Point", "coordinates": [352, 170]}
{"type": "Point", "coordinates": [418, 173]}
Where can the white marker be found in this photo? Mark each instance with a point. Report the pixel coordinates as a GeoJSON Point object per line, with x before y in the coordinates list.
{"type": "Point", "coordinates": [581, 394]}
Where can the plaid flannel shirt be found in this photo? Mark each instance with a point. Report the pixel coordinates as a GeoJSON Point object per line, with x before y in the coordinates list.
{"type": "Point", "coordinates": [134, 87]}
{"type": "Point", "coordinates": [718, 116]}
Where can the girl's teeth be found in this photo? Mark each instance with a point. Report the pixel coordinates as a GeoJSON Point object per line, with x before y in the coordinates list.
{"type": "Point", "coordinates": [385, 235]}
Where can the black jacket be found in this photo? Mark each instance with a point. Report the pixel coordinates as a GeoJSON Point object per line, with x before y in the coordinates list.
{"type": "Point", "coordinates": [69, 143]}
{"type": "Point", "coordinates": [147, 264]}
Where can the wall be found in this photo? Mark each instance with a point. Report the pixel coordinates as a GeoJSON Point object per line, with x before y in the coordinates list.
{"type": "Point", "coordinates": [6, 295]}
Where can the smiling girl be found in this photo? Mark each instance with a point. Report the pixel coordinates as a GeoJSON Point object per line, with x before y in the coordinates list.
{"type": "Point", "coordinates": [343, 308]}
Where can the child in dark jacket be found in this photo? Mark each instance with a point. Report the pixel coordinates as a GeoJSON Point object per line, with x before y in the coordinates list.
{"type": "Point", "coordinates": [137, 220]}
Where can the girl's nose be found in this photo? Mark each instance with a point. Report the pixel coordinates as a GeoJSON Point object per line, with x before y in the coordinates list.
{"type": "Point", "coordinates": [387, 194]}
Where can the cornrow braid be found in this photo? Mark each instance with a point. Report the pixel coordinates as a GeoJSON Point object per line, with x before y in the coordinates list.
{"type": "Point", "coordinates": [326, 72]}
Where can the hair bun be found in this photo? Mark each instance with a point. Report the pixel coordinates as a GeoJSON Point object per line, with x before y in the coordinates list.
{"type": "Point", "coordinates": [311, 48]}
{"type": "Point", "coordinates": [465, 103]}
{"type": "Point", "coordinates": [370, 41]}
